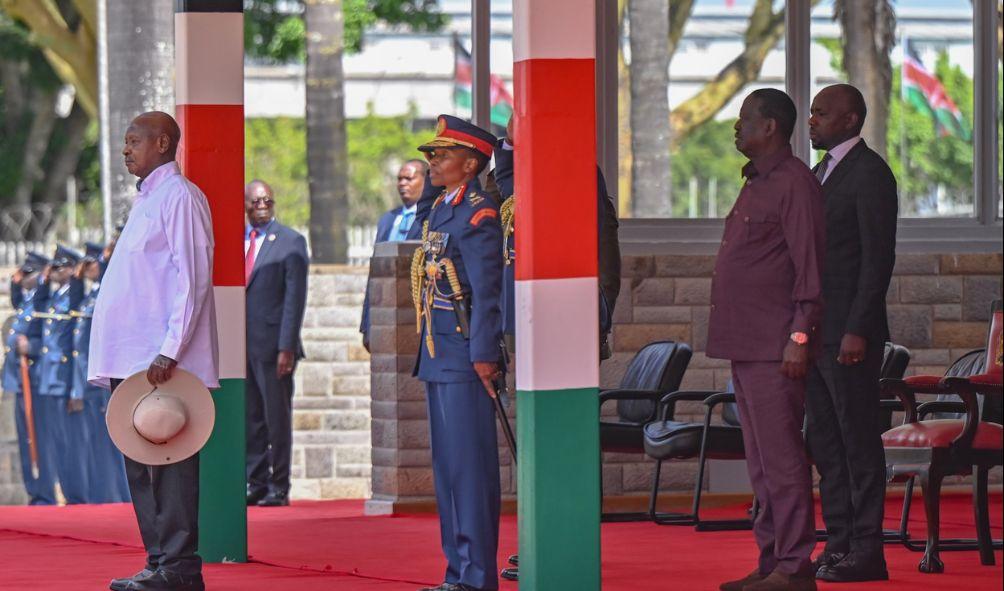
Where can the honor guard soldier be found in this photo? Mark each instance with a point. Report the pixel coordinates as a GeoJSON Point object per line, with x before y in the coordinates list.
{"type": "Point", "coordinates": [56, 373]}
{"type": "Point", "coordinates": [456, 284]}
{"type": "Point", "coordinates": [23, 345]}
{"type": "Point", "coordinates": [106, 477]}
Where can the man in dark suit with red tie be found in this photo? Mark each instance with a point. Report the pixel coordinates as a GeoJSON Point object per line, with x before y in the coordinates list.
{"type": "Point", "coordinates": [843, 433]}
{"type": "Point", "coordinates": [275, 273]}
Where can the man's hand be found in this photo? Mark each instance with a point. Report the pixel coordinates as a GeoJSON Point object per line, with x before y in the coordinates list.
{"type": "Point", "coordinates": [160, 370]}
{"type": "Point", "coordinates": [487, 371]}
{"type": "Point", "coordinates": [508, 132]}
{"type": "Point", "coordinates": [284, 363]}
{"type": "Point", "coordinates": [795, 361]}
{"type": "Point", "coordinates": [852, 349]}
{"type": "Point", "coordinates": [74, 405]}
{"type": "Point", "coordinates": [23, 345]}
{"type": "Point", "coordinates": [45, 273]}
{"type": "Point", "coordinates": [79, 271]}
{"type": "Point", "coordinates": [17, 277]}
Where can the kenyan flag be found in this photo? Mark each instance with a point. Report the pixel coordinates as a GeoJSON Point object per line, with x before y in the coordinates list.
{"type": "Point", "coordinates": [923, 90]}
{"type": "Point", "coordinates": [463, 74]}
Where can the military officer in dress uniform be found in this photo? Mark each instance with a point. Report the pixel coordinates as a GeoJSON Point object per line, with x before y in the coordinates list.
{"type": "Point", "coordinates": [25, 339]}
{"type": "Point", "coordinates": [106, 476]}
{"type": "Point", "coordinates": [56, 374]}
{"type": "Point", "coordinates": [456, 285]}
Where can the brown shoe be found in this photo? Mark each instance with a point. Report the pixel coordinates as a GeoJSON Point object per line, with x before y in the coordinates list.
{"type": "Point", "coordinates": [740, 584]}
{"type": "Point", "coordinates": [778, 581]}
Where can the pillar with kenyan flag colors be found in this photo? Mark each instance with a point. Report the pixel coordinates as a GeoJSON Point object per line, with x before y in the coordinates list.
{"type": "Point", "coordinates": [557, 337]}
{"type": "Point", "coordinates": [209, 94]}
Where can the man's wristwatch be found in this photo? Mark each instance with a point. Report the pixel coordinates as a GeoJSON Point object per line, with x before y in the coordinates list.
{"type": "Point", "coordinates": [799, 338]}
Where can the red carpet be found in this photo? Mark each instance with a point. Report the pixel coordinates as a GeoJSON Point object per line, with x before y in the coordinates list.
{"type": "Point", "coordinates": [331, 546]}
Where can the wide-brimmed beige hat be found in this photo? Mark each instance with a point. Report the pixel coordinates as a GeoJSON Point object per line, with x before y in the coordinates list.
{"type": "Point", "coordinates": [164, 424]}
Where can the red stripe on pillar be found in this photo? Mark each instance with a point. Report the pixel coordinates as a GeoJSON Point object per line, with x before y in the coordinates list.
{"type": "Point", "coordinates": [555, 168]}
{"type": "Point", "coordinates": [211, 155]}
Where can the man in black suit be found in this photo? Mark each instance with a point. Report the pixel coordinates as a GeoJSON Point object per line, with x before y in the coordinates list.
{"type": "Point", "coordinates": [395, 225]}
{"type": "Point", "coordinates": [843, 433]}
{"type": "Point", "coordinates": [275, 273]}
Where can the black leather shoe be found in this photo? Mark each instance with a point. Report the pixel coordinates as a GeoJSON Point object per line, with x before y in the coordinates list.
{"type": "Point", "coordinates": [827, 559]}
{"type": "Point", "coordinates": [254, 496]}
{"type": "Point", "coordinates": [123, 583]}
{"type": "Point", "coordinates": [514, 560]}
{"type": "Point", "coordinates": [442, 587]}
{"type": "Point", "coordinates": [274, 500]}
{"type": "Point", "coordinates": [162, 580]}
{"type": "Point", "coordinates": [855, 568]}
{"type": "Point", "coordinates": [510, 574]}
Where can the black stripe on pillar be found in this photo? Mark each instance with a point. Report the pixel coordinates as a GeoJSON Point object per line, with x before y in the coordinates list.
{"type": "Point", "coordinates": [208, 6]}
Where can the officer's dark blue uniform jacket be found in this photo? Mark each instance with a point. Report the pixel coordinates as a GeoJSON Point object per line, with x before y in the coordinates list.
{"type": "Point", "coordinates": [81, 346]}
{"type": "Point", "coordinates": [471, 221]}
{"type": "Point", "coordinates": [57, 340]}
{"type": "Point", "coordinates": [26, 324]}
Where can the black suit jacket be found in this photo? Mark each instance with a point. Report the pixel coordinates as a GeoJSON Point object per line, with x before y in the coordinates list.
{"type": "Point", "coordinates": [861, 211]}
{"type": "Point", "coordinates": [277, 294]}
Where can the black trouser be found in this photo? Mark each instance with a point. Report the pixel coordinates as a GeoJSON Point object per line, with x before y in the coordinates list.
{"type": "Point", "coordinates": [844, 438]}
{"type": "Point", "coordinates": [269, 404]}
{"type": "Point", "coordinates": [166, 501]}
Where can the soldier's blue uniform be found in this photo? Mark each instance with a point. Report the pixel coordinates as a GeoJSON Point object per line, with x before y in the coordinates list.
{"type": "Point", "coordinates": [462, 228]}
{"type": "Point", "coordinates": [106, 477]}
{"type": "Point", "coordinates": [56, 380]}
{"type": "Point", "coordinates": [41, 490]}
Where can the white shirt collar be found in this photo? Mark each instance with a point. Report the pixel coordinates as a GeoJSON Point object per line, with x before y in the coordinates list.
{"type": "Point", "coordinates": [838, 152]}
{"type": "Point", "coordinates": [158, 176]}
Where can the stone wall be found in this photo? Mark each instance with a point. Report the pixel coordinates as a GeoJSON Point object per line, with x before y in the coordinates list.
{"type": "Point", "coordinates": [938, 305]}
{"type": "Point", "coordinates": [331, 407]}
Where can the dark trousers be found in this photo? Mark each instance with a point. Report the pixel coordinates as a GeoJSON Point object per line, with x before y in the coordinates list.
{"type": "Point", "coordinates": [106, 481]}
{"type": "Point", "coordinates": [771, 409]}
{"type": "Point", "coordinates": [465, 467]}
{"type": "Point", "coordinates": [166, 501]}
{"type": "Point", "coordinates": [73, 450]}
{"type": "Point", "coordinates": [844, 439]}
{"type": "Point", "coordinates": [269, 404]}
{"type": "Point", "coordinates": [41, 490]}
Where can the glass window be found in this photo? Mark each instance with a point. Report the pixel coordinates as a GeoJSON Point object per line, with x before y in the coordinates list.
{"type": "Point", "coordinates": [920, 97]}
{"type": "Point", "coordinates": [676, 144]}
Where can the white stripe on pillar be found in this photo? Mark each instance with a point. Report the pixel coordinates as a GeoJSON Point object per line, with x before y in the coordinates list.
{"type": "Point", "coordinates": [557, 341]}
{"type": "Point", "coordinates": [553, 29]}
{"type": "Point", "coordinates": [209, 58]}
{"type": "Point", "coordinates": [231, 338]}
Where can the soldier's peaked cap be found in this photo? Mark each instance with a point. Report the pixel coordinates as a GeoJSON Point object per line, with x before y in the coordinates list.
{"type": "Point", "coordinates": [452, 132]}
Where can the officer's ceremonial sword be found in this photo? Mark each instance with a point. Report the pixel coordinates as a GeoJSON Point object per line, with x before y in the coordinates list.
{"type": "Point", "coordinates": [29, 416]}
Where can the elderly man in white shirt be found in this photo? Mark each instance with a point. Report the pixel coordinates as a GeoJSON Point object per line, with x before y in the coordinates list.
{"type": "Point", "coordinates": [156, 312]}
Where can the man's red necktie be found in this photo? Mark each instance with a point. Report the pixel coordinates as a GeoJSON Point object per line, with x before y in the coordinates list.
{"type": "Point", "coordinates": [249, 257]}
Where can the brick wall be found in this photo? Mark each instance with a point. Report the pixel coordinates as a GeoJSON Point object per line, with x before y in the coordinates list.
{"type": "Point", "coordinates": [938, 307]}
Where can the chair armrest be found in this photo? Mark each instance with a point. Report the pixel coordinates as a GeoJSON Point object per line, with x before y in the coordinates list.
{"type": "Point", "coordinates": [720, 398]}
{"type": "Point", "coordinates": [965, 390]}
{"type": "Point", "coordinates": [906, 395]}
{"type": "Point", "coordinates": [891, 404]}
{"type": "Point", "coordinates": [626, 394]}
{"type": "Point", "coordinates": [667, 406]}
{"type": "Point", "coordinates": [929, 408]}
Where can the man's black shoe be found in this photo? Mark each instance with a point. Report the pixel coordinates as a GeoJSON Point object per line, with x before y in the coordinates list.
{"type": "Point", "coordinates": [254, 496]}
{"type": "Point", "coordinates": [442, 587]}
{"type": "Point", "coordinates": [855, 568]}
{"type": "Point", "coordinates": [827, 559]}
{"type": "Point", "coordinates": [163, 580]}
{"type": "Point", "coordinates": [123, 583]}
{"type": "Point", "coordinates": [514, 560]}
{"type": "Point", "coordinates": [274, 500]}
{"type": "Point", "coordinates": [510, 574]}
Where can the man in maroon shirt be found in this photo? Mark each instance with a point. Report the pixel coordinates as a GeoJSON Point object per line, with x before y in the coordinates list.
{"type": "Point", "coordinates": [766, 305]}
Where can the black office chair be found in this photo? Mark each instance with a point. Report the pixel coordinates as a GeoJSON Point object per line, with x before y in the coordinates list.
{"type": "Point", "coordinates": [655, 370]}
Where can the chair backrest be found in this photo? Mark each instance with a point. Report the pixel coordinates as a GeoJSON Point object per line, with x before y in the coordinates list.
{"type": "Point", "coordinates": [895, 361]}
{"type": "Point", "coordinates": [970, 364]}
{"type": "Point", "coordinates": [658, 366]}
{"type": "Point", "coordinates": [995, 341]}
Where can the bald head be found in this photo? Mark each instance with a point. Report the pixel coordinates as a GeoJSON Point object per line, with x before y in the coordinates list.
{"type": "Point", "coordinates": [259, 203]}
{"type": "Point", "coordinates": [837, 114]}
{"type": "Point", "coordinates": [151, 140]}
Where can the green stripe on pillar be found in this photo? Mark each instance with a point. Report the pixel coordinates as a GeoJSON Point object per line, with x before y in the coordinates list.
{"type": "Point", "coordinates": [559, 489]}
{"type": "Point", "coordinates": [222, 480]}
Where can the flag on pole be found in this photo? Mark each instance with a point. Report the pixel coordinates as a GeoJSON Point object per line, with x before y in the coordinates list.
{"type": "Point", "coordinates": [463, 76]}
{"type": "Point", "coordinates": [922, 89]}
